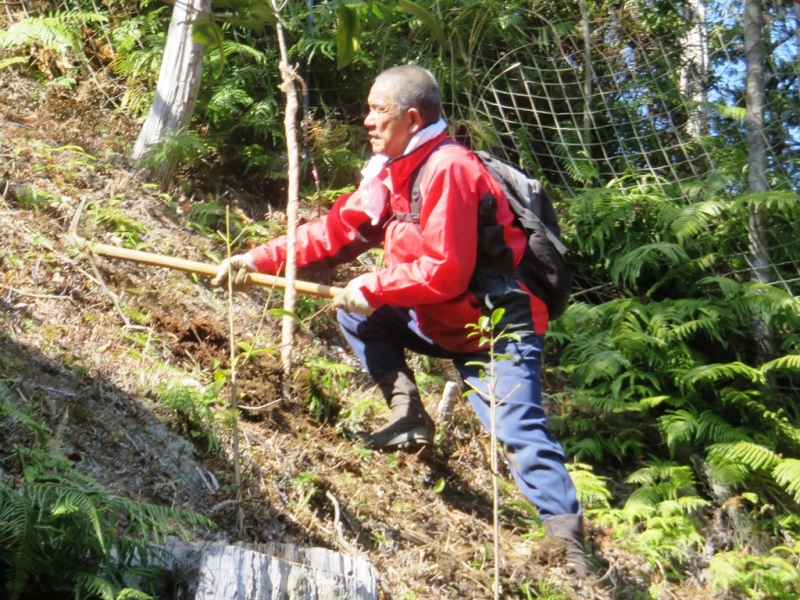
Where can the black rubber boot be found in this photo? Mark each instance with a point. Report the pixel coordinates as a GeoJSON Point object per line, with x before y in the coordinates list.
{"type": "Point", "coordinates": [409, 426]}
{"type": "Point", "coordinates": [570, 529]}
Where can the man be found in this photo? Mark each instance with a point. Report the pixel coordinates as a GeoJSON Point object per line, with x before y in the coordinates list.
{"type": "Point", "coordinates": [447, 263]}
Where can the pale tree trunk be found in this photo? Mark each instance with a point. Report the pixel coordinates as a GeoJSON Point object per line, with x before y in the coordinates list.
{"type": "Point", "coordinates": [694, 69]}
{"type": "Point", "coordinates": [587, 80]}
{"type": "Point", "coordinates": [177, 87]}
{"type": "Point", "coordinates": [290, 81]}
{"type": "Point", "coordinates": [796, 4]}
{"type": "Point", "coordinates": [755, 97]}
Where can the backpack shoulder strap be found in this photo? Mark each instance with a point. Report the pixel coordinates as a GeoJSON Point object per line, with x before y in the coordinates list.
{"type": "Point", "coordinates": [416, 181]}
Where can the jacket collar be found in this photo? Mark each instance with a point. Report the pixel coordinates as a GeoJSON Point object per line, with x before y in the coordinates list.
{"type": "Point", "coordinates": [401, 169]}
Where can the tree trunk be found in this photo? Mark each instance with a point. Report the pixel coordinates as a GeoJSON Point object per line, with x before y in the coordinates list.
{"type": "Point", "coordinates": [755, 97]}
{"type": "Point", "coordinates": [694, 69]}
{"type": "Point", "coordinates": [588, 73]}
{"type": "Point", "coordinates": [177, 88]}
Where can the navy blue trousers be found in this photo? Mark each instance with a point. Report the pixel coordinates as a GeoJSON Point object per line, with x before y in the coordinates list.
{"type": "Point", "coordinates": [535, 457]}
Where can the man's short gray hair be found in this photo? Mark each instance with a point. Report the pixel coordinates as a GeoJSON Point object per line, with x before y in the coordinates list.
{"type": "Point", "coordinates": [414, 87]}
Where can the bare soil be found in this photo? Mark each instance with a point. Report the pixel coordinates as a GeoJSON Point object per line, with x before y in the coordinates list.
{"type": "Point", "coordinates": [86, 342]}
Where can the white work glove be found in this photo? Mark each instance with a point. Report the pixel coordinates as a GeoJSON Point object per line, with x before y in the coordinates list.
{"type": "Point", "coordinates": [352, 299]}
{"type": "Point", "coordinates": [240, 265]}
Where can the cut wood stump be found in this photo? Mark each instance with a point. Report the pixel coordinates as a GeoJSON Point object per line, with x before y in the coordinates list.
{"type": "Point", "coordinates": [220, 571]}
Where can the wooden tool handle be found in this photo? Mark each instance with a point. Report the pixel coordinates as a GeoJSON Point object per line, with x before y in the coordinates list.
{"type": "Point", "coordinates": [190, 266]}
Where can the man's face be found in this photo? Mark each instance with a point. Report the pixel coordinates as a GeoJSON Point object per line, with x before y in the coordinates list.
{"type": "Point", "coordinates": [390, 131]}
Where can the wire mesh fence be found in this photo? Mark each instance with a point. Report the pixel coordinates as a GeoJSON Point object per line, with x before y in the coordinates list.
{"type": "Point", "coordinates": [615, 94]}
{"type": "Point", "coordinates": [585, 94]}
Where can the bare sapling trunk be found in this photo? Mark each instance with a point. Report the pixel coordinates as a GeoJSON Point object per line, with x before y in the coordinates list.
{"type": "Point", "coordinates": [290, 81]}
{"type": "Point", "coordinates": [177, 87]}
{"type": "Point", "coordinates": [289, 88]}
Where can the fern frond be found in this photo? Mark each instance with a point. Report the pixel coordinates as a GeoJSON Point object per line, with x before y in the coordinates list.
{"type": "Point", "coordinates": [681, 319]}
{"type": "Point", "coordinates": [688, 329]}
{"type": "Point", "coordinates": [65, 500]}
{"type": "Point", "coordinates": [577, 163]}
{"type": "Point", "coordinates": [325, 364]}
{"type": "Point", "coordinates": [16, 527]}
{"type": "Point", "coordinates": [55, 507]}
{"type": "Point", "coordinates": [133, 594]}
{"type": "Point", "coordinates": [787, 474]}
{"type": "Point", "coordinates": [687, 505]}
{"type": "Point", "coordinates": [7, 408]}
{"type": "Point", "coordinates": [604, 365]}
{"type": "Point", "coordinates": [233, 48]}
{"type": "Point", "coordinates": [713, 428]}
{"type": "Point", "coordinates": [60, 32]}
{"type": "Point", "coordinates": [587, 447]}
{"type": "Point", "coordinates": [592, 489]}
{"type": "Point", "coordinates": [683, 427]}
{"type": "Point", "coordinates": [628, 267]}
{"type": "Point", "coordinates": [697, 218]}
{"type": "Point", "coordinates": [730, 288]}
{"type": "Point", "coordinates": [773, 576]}
{"type": "Point", "coordinates": [770, 299]}
{"type": "Point", "coordinates": [721, 372]}
{"type": "Point", "coordinates": [678, 428]}
{"type": "Point", "coordinates": [88, 585]}
{"type": "Point", "coordinates": [666, 480]}
{"type": "Point", "coordinates": [728, 473]}
{"type": "Point", "coordinates": [789, 362]}
{"type": "Point", "coordinates": [227, 100]}
{"type": "Point", "coordinates": [777, 201]}
{"type": "Point", "coordinates": [754, 457]}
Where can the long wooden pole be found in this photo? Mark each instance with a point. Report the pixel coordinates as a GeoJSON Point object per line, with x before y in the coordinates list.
{"type": "Point", "coordinates": [190, 266]}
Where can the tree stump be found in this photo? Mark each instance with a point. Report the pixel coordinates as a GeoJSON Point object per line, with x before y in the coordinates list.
{"type": "Point", "coordinates": [220, 571]}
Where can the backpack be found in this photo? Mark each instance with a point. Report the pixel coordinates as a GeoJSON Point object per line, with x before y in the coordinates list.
{"type": "Point", "coordinates": [544, 268]}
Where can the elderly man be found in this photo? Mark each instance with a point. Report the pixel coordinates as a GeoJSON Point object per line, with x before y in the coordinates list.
{"type": "Point", "coordinates": [450, 259]}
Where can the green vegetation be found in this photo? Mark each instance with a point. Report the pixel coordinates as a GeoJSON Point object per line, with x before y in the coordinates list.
{"type": "Point", "coordinates": [193, 408]}
{"type": "Point", "coordinates": [62, 534]}
{"type": "Point", "coordinates": [675, 372]}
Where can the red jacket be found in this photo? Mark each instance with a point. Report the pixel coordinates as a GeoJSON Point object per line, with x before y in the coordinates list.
{"type": "Point", "coordinates": [454, 266]}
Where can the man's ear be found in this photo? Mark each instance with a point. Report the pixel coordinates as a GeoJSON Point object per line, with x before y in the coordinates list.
{"type": "Point", "coordinates": [417, 124]}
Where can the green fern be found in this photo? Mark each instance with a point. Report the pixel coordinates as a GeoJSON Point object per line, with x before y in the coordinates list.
{"type": "Point", "coordinates": [787, 362]}
{"type": "Point", "coordinates": [787, 473]}
{"type": "Point", "coordinates": [183, 146]}
{"type": "Point", "coordinates": [59, 530]}
{"type": "Point", "coordinates": [723, 372]}
{"type": "Point", "coordinates": [683, 429]}
{"type": "Point", "coordinates": [7, 409]}
{"type": "Point", "coordinates": [592, 489]}
{"type": "Point", "coordinates": [662, 512]}
{"type": "Point", "coordinates": [752, 456]}
{"type": "Point", "coordinates": [629, 267]}
{"type": "Point", "coordinates": [772, 577]}
{"type": "Point", "coordinates": [578, 164]}
{"type": "Point", "coordinates": [696, 219]}
{"type": "Point", "coordinates": [60, 32]}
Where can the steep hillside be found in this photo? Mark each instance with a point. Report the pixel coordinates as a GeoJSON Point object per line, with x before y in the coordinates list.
{"type": "Point", "coordinates": [128, 367]}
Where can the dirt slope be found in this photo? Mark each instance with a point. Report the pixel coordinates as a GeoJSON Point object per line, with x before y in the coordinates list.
{"type": "Point", "coordinates": [89, 344]}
